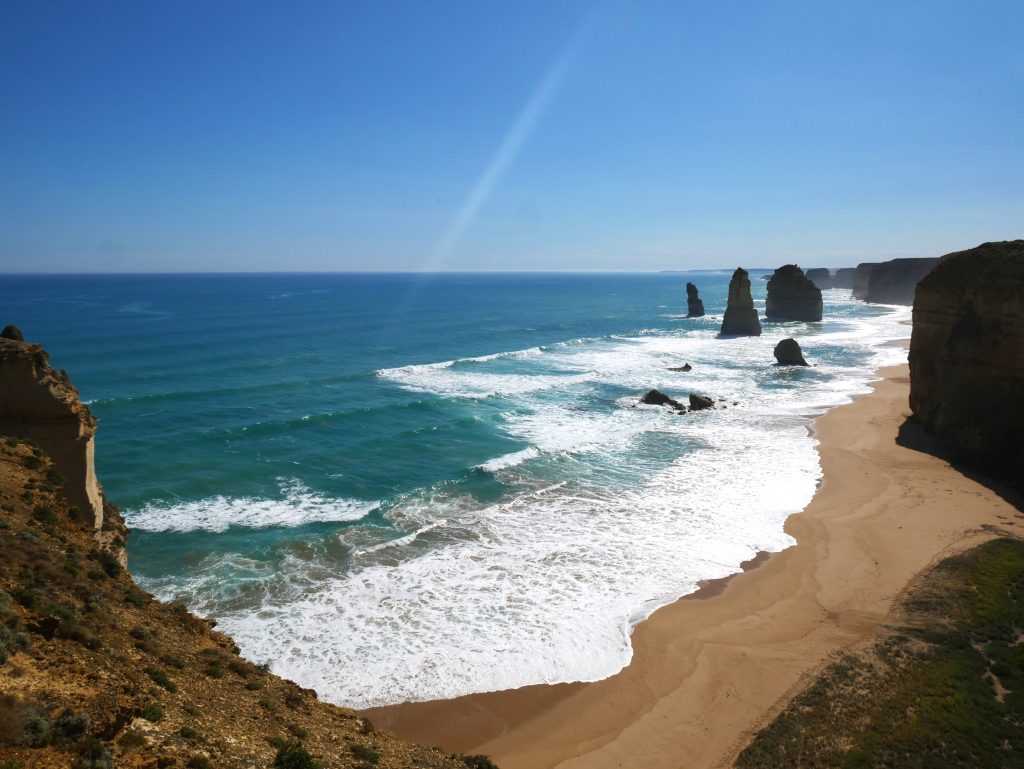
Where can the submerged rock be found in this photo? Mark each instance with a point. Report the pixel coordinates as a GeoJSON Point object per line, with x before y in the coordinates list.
{"type": "Point", "coordinates": [792, 296]}
{"type": "Point", "coordinates": [700, 402]}
{"type": "Point", "coordinates": [740, 316]}
{"type": "Point", "coordinates": [967, 356]}
{"type": "Point", "coordinates": [788, 353]}
{"type": "Point", "coordinates": [684, 367]}
{"type": "Point", "coordinates": [694, 304]}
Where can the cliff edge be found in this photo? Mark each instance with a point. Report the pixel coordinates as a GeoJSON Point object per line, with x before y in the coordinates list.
{"type": "Point", "coordinates": [895, 281]}
{"type": "Point", "coordinates": [95, 672]}
{"type": "Point", "coordinates": [967, 355]}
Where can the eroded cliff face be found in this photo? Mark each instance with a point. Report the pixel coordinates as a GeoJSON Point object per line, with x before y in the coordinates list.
{"type": "Point", "coordinates": [861, 279]}
{"type": "Point", "coordinates": [740, 317]}
{"type": "Point", "coordinates": [792, 296]}
{"type": "Point", "coordinates": [967, 356]}
{"type": "Point", "coordinates": [820, 276]}
{"type": "Point", "coordinates": [844, 277]}
{"type": "Point", "coordinates": [40, 404]}
{"type": "Point", "coordinates": [894, 282]}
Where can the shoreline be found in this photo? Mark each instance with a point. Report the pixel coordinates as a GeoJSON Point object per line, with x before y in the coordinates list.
{"type": "Point", "coordinates": [711, 668]}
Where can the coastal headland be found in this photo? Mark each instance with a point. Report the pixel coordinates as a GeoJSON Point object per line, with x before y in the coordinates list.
{"type": "Point", "coordinates": [709, 671]}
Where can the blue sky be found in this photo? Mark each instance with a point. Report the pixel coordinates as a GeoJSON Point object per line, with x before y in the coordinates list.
{"type": "Point", "coordinates": [482, 135]}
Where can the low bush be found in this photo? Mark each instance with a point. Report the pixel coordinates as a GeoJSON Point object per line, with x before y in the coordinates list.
{"type": "Point", "coordinates": [364, 753]}
{"type": "Point", "coordinates": [151, 711]}
{"type": "Point", "coordinates": [293, 755]}
{"type": "Point", "coordinates": [161, 679]}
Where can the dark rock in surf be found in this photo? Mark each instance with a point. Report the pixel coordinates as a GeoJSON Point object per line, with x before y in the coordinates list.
{"type": "Point", "coordinates": [788, 353]}
{"type": "Point", "coordinates": [658, 398]}
{"type": "Point", "coordinates": [740, 316]}
{"type": "Point", "coordinates": [694, 304]}
{"type": "Point", "coordinates": [684, 367]}
{"type": "Point", "coordinates": [700, 402]}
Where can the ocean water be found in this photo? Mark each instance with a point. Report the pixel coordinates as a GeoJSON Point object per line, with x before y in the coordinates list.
{"type": "Point", "coordinates": [406, 487]}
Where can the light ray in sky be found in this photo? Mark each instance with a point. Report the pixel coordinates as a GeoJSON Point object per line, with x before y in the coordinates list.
{"type": "Point", "coordinates": [507, 152]}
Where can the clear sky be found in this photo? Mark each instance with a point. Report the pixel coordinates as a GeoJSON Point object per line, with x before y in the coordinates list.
{"type": "Point", "coordinates": [165, 136]}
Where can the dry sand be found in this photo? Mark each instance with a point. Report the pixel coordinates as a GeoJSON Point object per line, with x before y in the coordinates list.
{"type": "Point", "coordinates": [706, 674]}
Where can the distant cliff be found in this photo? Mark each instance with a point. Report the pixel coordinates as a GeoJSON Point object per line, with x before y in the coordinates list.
{"type": "Point", "coordinates": [967, 355]}
{"type": "Point", "coordinates": [861, 279]}
{"type": "Point", "coordinates": [820, 276]}
{"type": "Point", "coordinates": [894, 282]}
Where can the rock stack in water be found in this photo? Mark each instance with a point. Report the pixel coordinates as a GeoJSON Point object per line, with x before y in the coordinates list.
{"type": "Point", "coordinates": [792, 296]}
{"type": "Point", "coordinates": [844, 277]}
{"type": "Point", "coordinates": [820, 276]}
{"type": "Point", "coordinates": [967, 356]}
{"type": "Point", "coordinates": [694, 304]}
{"type": "Point", "coordinates": [788, 353]}
{"type": "Point", "coordinates": [740, 316]}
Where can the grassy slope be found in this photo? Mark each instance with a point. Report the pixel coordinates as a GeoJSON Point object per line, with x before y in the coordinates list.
{"type": "Point", "coordinates": [943, 689]}
{"type": "Point", "coordinates": [94, 671]}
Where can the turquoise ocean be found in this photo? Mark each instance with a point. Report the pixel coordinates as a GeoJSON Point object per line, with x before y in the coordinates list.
{"type": "Point", "coordinates": [405, 487]}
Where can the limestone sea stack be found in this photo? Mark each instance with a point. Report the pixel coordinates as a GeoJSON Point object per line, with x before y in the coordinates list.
{"type": "Point", "coordinates": [821, 277]}
{"type": "Point", "coordinates": [893, 282]}
{"type": "Point", "coordinates": [967, 356]}
{"type": "Point", "coordinates": [792, 296]}
{"type": "Point", "coordinates": [40, 404]}
{"type": "Point", "coordinates": [788, 353]}
{"type": "Point", "coordinates": [844, 277]}
{"type": "Point", "coordinates": [740, 316]}
{"type": "Point", "coordinates": [861, 279]}
{"type": "Point", "coordinates": [694, 304]}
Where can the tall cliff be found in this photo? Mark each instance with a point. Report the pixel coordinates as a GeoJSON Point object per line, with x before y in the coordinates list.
{"type": "Point", "coordinates": [96, 673]}
{"type": "Point", "coordinates": [40, 404]}
{"type": "Point", "coordinates": [844, 277]}
{"type": "Point", "coordinates": [894, 282]}
{"type": "Point", "coordinates": [792, 296]}
{"type": "Point", "coordinates": [862, 279]}
{"type": "Point", "coordinates": [740, 317]}
{"type": "Point", "coordinates": [967, 355]}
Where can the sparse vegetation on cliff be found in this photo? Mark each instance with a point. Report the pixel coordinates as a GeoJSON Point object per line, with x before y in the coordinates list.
{"type": "Point", "coordinates": [942, 688]}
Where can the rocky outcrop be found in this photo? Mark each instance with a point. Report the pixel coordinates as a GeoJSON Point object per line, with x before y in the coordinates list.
{"type": "Point", "coordinates": [658, 398]}
{"type": "Point", "coordinates": [700, 402]}
{"type": "Point", "coordinates": [792, 296]}
{"type": "Point", "coordinates": [967, 356]}
{"type": "Point", "coordinates": [894, 282]}
{"type": "Point", "coordinates": [94, 671]}
{"type": "Point", "coordinates": [694, 304]}
{"type": "Point", "coordinates": [844, 277]}
{"type": "Point", "coordinates": [788, 353]}
{"type": "Point", "coordinates": [740, 316]}
{"type": "Point", "coordinates": [861, 279]}
{"type": "Point", "coordinates": [685, 367]}
{"type": "Point", "coordinates": [40, 404]}
{"type": "Point", "coordinates": [12, 332]}
{"type": "Point", "coordinates": [820, 276]}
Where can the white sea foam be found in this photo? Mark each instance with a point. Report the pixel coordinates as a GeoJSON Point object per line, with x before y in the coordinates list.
{"type": "Point", "coordinates": [298, 505]}
{"type": "Point", "coordinates": [545, 586]}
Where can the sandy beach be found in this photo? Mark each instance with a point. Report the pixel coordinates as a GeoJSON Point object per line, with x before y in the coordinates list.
{"type": "Point", "coordinates": [709, 670]}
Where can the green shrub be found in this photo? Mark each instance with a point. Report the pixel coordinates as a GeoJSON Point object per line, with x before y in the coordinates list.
{"type": "Point", "coordinates": [253, 686]}
{"type": "Point", "coordinates": [199, 762]}
{"type": "Point", "coordinates": [152, 712]}
{"type": "Point", "coordinates": [35, 726]}
{"type": "Point", "coordinates": [478, 762]}
{"type": "Point", "coordinates": [293, 755]}
{"type": "Point", "coordinates": [160, 678]}
{"type": "Point", "coordinates": [188, 733]}
{"type": "Point", "coordinates": [298, 731]}
{"type": "Point", "coordinates": [364, 753]}
{"type": "Point", "coordinates": [53, 476]}
{"type": "Point", "coordinates": [70, 725]}
{"type": "Point", "coordinates": [93, 754]}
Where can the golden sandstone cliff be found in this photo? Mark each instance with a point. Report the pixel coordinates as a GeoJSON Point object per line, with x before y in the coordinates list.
{"type": "Point", "coordinates": [967, 356]}
{"type": "Point", "coordinates": [95, 672]}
